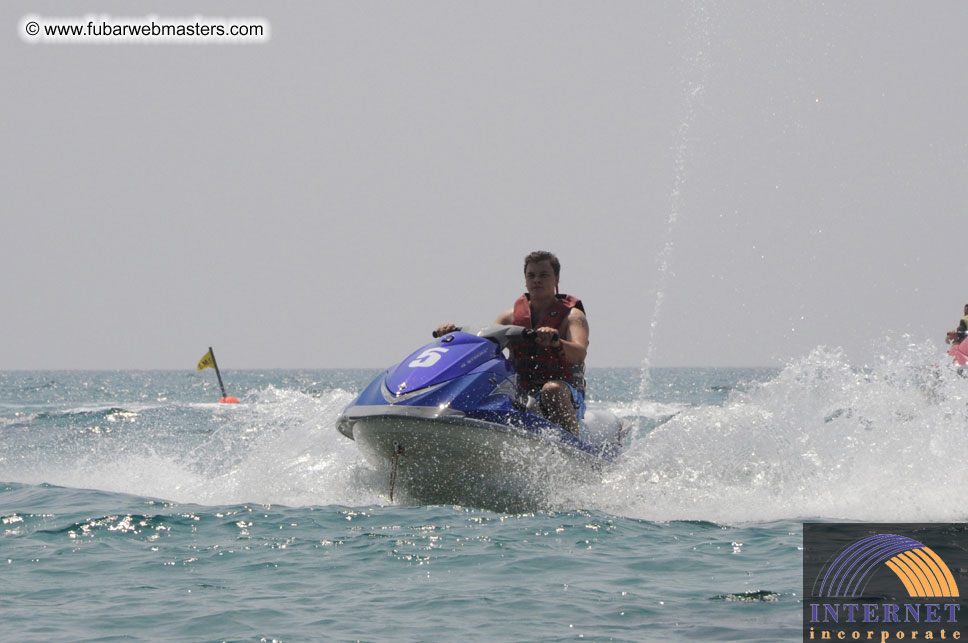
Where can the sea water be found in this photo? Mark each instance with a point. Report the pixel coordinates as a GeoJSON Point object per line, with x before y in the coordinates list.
{"type": "Point", "coordinates": [133, 507]}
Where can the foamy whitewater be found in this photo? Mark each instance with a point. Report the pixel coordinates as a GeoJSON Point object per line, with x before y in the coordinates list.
{"type": "Point", "coordinates": [135, 507]}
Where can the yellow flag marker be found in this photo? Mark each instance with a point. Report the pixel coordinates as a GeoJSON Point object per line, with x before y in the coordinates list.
{"type": "Point", "coordinates": [208, 361]}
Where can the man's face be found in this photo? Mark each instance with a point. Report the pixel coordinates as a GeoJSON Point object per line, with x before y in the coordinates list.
{"type": "Point", "coordinates": [540, 279]}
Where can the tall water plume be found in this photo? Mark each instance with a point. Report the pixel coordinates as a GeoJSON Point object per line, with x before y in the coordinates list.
{"type": "Point", "coordinates": [695, 71]}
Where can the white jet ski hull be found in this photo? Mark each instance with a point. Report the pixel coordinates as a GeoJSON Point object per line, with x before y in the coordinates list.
{"type": "Point", "coordinates": [457, 460]}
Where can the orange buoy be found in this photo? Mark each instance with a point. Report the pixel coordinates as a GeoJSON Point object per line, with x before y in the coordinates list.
{"type": "Point", "coordinates": [228, 399]}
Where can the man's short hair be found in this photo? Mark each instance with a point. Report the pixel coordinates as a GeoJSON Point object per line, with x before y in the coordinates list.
{"type": "Point", "coordinates": [543, 255]}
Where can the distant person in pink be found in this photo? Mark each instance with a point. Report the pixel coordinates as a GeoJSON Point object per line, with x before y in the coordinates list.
{"type": "Point", "coordinates": [958, 334]}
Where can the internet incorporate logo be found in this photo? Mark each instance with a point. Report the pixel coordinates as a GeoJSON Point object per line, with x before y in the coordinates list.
{"type": "Point", "coordinates": [920, 570]}
{"type": "Point", "coordinates": [882, 582]}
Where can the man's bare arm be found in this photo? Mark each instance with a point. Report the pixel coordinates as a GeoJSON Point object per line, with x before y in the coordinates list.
{"type": "Point", "coordinates": [505, 318]}
{"type": "Point", "coordinates": [574, 336]}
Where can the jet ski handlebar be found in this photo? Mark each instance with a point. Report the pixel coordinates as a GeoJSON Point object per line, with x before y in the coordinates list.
{"type": "Point", "coordinates": [502, 335]}
{"type": "Point", "coordinates": [531, 335]}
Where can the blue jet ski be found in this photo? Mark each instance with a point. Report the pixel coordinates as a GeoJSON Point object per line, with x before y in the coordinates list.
{"type": "Point", "coordinates": [450, 426]}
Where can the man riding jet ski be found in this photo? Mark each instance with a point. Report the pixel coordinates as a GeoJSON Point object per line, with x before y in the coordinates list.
{"type": "Point", "coordinates": [453, 422]}
{"type": "Point", "coordinates": [552, 368]}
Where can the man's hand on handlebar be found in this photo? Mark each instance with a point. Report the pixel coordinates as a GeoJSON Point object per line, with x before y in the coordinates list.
{"type": "Point", "coordinates": [547, 336]}
{"type": "Point", "coordinates": [444, 329]}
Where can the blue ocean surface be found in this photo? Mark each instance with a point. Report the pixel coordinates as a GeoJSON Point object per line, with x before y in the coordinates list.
{"type": "Point", "coordinates": [133, 507]}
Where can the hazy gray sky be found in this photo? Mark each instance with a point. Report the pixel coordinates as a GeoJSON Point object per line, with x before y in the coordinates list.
{"type": "Point", "coordinates": [377, 168]}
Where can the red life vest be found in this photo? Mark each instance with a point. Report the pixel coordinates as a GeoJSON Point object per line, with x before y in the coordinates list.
{"type": "Point", "coordinates": [539, 364]}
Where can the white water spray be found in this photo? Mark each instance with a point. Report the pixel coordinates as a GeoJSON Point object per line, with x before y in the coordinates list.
{"type": "Point", "coordinates": [824, 439]}
{"type": "Point", "coordinates": [696, 72]}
